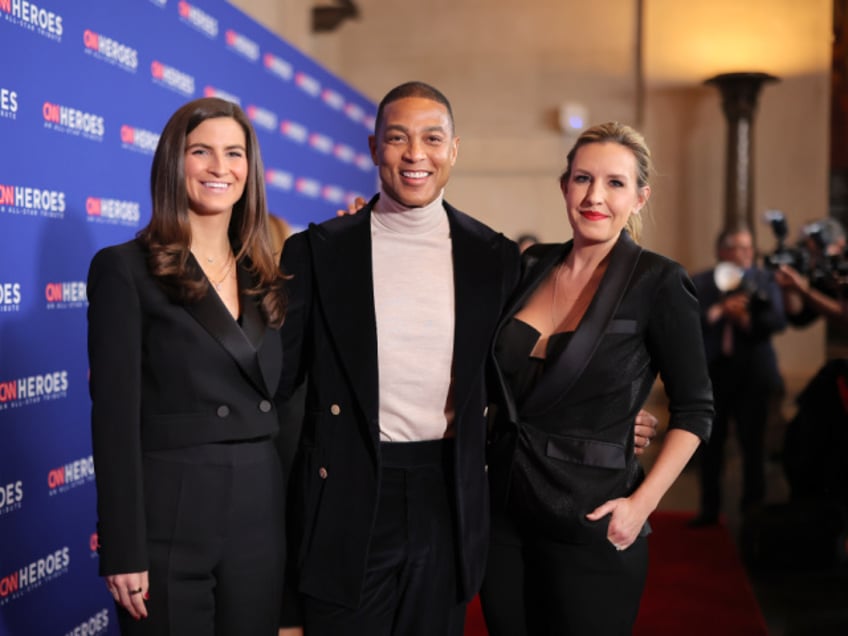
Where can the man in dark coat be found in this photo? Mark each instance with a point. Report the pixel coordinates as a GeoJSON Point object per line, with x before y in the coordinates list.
{"type": "Point", "coordinates": [390, 318]}
{"type": "Point", "coordinates": [741, 309]}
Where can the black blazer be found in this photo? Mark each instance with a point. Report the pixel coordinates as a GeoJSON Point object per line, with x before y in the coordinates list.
{"type": "Point", "coordinates": [653, 327]}
{"type": "Point", "coordinates": [165, 376]}
{"type": "Point", "coordinates": [330, 329]}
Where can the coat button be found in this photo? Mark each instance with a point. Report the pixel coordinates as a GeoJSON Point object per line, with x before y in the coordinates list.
{"type": "Point", "coordinates": [486, 468]}
{"type": "Point", "coordinates": [223, 410]}
{"type": "Point", "coordinates": [485, 411]}
{"type": "Point", "coordinates": [335, 409]}
{"type": "Point", "coordinates": [264, 406]}
{"type": "Point", "coordinates": [322, 473]}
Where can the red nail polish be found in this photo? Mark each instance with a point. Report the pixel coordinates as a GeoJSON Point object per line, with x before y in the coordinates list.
{"type": "Point", "coordinates": [147, 596]}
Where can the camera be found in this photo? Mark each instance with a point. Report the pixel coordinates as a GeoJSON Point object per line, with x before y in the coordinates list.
{"type": "Point", "coordinates": [817, 254]}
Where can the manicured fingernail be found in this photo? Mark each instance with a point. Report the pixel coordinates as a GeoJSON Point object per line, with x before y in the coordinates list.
{"type": "Point", "coordinates": [147, 596]}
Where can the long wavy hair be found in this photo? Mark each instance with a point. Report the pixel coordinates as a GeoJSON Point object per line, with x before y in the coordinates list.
{"type": "Point", "coordinates": [631, 139]}
{"type": "Point", "coordinates": [168, 235]}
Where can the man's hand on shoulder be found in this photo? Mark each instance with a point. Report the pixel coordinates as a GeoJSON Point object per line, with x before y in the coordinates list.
{"type": "Point", "coordinates": [645, 430]}
{"type": "Point", "coordinates": [353, 207]}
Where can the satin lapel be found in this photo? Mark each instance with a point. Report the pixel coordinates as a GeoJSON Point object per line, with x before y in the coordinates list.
{"type": "Point", "coordinates": [254, 328]}
{"type": "Point", "coordinates": [560, 376]}
{"type": "Point", "coordinates": [477, 271]}
{"type": "Point", "coordinates": [341, 262]}
{"type": "Point", "coordinates": [534, 273]}
{"type": "Point", "coordinates": [213, 316]}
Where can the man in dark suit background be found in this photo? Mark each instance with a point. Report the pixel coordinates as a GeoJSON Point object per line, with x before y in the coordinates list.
{"type": "Point", "coordinates": [738, 324]}
{"type": "Point", "coordinates": [390, 317]}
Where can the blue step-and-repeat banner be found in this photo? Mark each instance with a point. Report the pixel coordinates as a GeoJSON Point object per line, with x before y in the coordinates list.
{"type": "Point", "coordinates": [85, 89]}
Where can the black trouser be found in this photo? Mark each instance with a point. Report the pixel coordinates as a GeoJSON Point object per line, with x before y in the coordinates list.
{"type": "Point", "coordinates": [410, 584]}
{"type": "Point", "coordinates": [216, 537]}
{"type": "Point", "coordinates": [537, 586]}
{"type": "Point", "coordinates": [749, 411]}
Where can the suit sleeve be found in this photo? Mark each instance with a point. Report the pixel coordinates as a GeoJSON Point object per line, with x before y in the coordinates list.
{"type": "Point", "coordinates": [296, 262]}
{"type": "Point", "coordinates": [677, 350]}
{"type": "Point", "coordinates": [512, 270]}
{"type": "Point", "coordinates": [767, 313]}
{"type": "Point", "coordinates": [114, 350]}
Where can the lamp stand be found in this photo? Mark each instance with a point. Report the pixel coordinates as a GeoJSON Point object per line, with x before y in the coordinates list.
{"type": "Point", "coordinates": [739, 93]}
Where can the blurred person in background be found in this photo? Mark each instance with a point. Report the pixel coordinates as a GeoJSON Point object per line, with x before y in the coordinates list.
{"type": "Point", "coordinates": [741, 310]}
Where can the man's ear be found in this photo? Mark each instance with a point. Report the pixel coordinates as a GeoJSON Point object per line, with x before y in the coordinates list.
{"type": "Point", "coordinates": [454, 150]}
{"type": "Point", "coordinates": [372, 146]}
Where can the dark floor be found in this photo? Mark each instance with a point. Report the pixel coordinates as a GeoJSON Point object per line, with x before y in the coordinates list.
{"type": "Point", "coordinates": [800, 593]}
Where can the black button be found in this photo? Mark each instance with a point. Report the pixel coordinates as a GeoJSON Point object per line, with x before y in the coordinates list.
{"type": "Point", "coordinates": [264, 406]}
{"type": "Point", "coordinates": [223, 410]}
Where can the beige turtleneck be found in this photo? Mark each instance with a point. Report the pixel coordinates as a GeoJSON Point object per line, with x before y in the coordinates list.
{"type": "Point", "coordinates": [414, 305]}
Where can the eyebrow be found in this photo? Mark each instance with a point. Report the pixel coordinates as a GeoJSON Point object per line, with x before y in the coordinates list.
{"type": "Point", "coordinates": [621, 177]}
{"type": "Point", "coordinates": [203, 145]}
{"type": "Point", "coordinates": [404, 129]}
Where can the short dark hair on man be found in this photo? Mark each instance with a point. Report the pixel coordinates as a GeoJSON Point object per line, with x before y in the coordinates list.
{"type": "Point", "coordinates": [413, 89]}
{"type": "Point", "coordinates": [731, 230]}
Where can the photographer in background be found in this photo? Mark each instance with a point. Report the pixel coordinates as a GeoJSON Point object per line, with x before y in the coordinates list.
{"type": "Point", "coordinates": [741, 308]}
{"type": "Point", "coordinates": [818, 288]}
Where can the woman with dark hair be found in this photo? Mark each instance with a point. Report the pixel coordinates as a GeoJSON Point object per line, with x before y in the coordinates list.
{"type": "Point", "coordinates": [592, 323]}
{"type": "Point", "coordinates": [185, 358]}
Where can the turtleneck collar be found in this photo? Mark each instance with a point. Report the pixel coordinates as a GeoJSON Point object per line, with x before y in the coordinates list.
{"type": "Point", "coordinates": [394, 216]}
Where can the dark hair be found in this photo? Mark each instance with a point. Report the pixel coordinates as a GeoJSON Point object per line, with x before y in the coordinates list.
{"type": "Point", "coordinates": [168, 235]}
{"type": "Point", "coordinates": [729, 231]}
{"type": "Point", "coordinates": [631, 139]}
{"type": "Point", "coordinates": [413, 89]}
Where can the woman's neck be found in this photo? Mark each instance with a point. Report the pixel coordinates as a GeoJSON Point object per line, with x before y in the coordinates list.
{"type": "Point", "coordinates": [586, 257]}
{"type": "Point", "coordinates": [210, 236]}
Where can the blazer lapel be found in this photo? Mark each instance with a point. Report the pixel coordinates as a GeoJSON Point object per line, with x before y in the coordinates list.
{"type": "Point", "coordinates": [559, 377]}
{"type": "Point", "coordinates": [534, 271]}
{"type": "Point", "coordinates": [341, 262]}
{"type": "Point", "coordinates": [477, 302]}
{"type": "Point", "coordinates": [257, 332]}
{"type": "Point", "coordinates": [213, 316]}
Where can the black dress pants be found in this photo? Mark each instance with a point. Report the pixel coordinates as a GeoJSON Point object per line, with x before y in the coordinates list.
{"type": "Point", "coordinates": [540, 587]}
{"type": "Point", "coordinates": [216, 537]}
{"type": "Point", "coordinates": [410, 586]}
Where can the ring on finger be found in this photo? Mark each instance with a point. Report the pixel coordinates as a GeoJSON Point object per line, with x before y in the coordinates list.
{"type": "Point", "coordinates": [134, 592]}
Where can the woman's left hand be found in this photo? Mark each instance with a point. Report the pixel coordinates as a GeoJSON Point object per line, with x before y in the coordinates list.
{"type": "Point", "coordinates": [626, 521]}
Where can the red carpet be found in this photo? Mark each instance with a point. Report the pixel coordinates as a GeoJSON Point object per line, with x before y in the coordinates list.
{"type": "Point", "coordinates": [696, 585]}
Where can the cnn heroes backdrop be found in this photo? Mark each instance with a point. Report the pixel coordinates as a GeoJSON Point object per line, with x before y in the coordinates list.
{"type": "Point", "coordinates": [85, 88]}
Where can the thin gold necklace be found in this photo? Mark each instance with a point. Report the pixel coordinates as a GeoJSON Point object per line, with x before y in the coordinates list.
{"type": "Point", "coordinates": [227, 269]}
{"type": "Point", "coordinates": [554, 296]}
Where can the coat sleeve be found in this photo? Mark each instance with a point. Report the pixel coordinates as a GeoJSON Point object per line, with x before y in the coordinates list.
{"type": "Point", "coordinates": [115, 350]}
{"type": "Point", "coordinates": [512, 270]}
{"type": "Point", "coordinates": [768, 316]}
{"type": "Point", "coordinates": [296, 262]}
{"type": "Point", "coordinates": [677, 351]}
